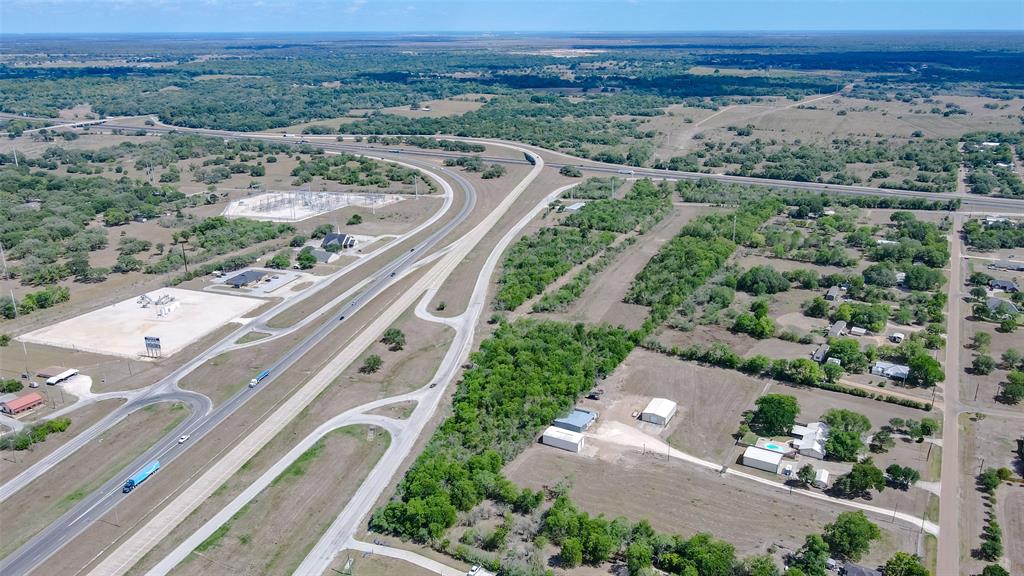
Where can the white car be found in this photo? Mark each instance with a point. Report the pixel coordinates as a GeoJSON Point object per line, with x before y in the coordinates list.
{"type": "Point", "coordinates": [788, 470]}
{"type": "Point", "coordinates": [183, 438]}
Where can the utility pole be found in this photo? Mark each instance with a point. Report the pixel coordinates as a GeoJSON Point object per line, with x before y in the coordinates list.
{"type": "Point", "coordinates": [184, 257]}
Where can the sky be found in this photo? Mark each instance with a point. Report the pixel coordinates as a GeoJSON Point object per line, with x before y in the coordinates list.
{"type": "Point", "coordinates": [183, 16]}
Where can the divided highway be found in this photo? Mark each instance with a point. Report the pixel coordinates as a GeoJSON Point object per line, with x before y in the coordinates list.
{"type": "Point", "coordinates": [202, 420]}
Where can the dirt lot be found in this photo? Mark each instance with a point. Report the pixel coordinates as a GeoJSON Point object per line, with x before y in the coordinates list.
{"type": "Point", "coordinates": [711, 401]}
{"type": "Point", "coordinates": [13, 463]}
{"type": "Point", "coordinates": [43, 501]}
{"type": "Point", "coordinates": [273, 533]}
{"type": "Point", "coordinates": [679, 498]}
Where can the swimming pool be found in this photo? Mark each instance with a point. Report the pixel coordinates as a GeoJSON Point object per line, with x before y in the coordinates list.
{"type": "Point", "coordinates": [774, 447]}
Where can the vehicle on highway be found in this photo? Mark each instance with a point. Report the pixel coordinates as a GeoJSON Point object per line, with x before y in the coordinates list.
{"type": "Point", "coordinates": [392, 275]}
{"type": "Point", "coordinates": [433, 385]}
{"type": "Point", "coordinates": [183, 438]}
{"type": "Point", "coordinates": [259, 378]}
{"type": "Point", "coordinates": [626, 172]}
{"type": "Point", "coordinates": [140, 476]}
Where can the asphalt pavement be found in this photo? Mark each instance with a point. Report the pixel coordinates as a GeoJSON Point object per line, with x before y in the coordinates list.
{"type": "Point", "coordinates": [202, 420]}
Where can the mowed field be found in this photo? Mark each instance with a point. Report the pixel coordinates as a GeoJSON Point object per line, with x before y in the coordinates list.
{"type": "Point", "coordinates": [366, 564]}
{"type": "Point", "coordinates": [602, 301]}
{"type": "Point", "coordinates": [44, 500]}
{"type": "Point", "coordinates": [679, 498]}
{"type": "Point", "coordinates": [710, 401]}
{"type": "Point", "coordinates": [272, 534]}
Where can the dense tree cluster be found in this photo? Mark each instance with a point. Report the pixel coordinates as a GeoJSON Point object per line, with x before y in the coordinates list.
{"type": "Point", "coordinates": [993, 236]}
{"type": "Point", "coordinates": [525, 375]}
{"type": "Point", "coordinates": [643, 206]}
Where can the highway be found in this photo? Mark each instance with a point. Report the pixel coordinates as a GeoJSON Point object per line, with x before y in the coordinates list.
{"type": "Point", "coordinates": [204, 418]}
{"type": "Point", "coordinates": [201, 421]}
{"type": "Point", "coordinates": [972, 202]}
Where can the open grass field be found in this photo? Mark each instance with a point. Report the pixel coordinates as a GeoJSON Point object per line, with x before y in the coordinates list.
{"type": "Point", "coordinates": [711, 401]}
{"type": "Point", "coordinates": [679, 498]}
{"type": "Point", "coordinates": [273, 533]}
{"type": "Point", "coordinates": [44, 500]}
{"type": "Point", "coordinates": [1011, 515]}
{"type": "Point", "coordinates": [375, 565]}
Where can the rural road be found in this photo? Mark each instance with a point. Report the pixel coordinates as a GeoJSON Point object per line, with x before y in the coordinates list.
{"type": "Point", "coordinates": [948, 561]}
{"type": "Point", "coordinates": [203, 417]}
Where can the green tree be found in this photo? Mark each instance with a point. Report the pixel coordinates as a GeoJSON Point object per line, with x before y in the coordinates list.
{"type": "Point", "coordinates": [990, 570]}
{"type": "Point", "coordinates": [1011, 359]}
{"type": "Point", "coordinates": [306, 259]}
{"type": "Point", "coordinates": [806, 474]}
{"type": "Point", "coordinates": [1008, 325]}
{"type": "Point", "coordinates": [281, 260]}
{"type": "Point", "coordinates": [372, 364]}
{"type": "Point", "coordinates": [863, 477]}
{"type": "Point", "coordinates": [116, 217]}
{"type": "Point", "coordinates": [394, 338]}
{"type": "Point", "coordinates": [775, 414]}
{"type": "Point", "coordinates": [763, 565]}
{"type": "Point", "coordinates": [903, 564]}
{"type": "Point", "coordinates": [925, 371]}
{"type": "Point", "coordinates": [845, 420]}
{"type": "Point", "coordinates": [1013, 388]}
{"type": "Point", "coordinates": [882, 441]}
{"type": "Point", "coordinates": [816, 308]}
{"type": "Point", "coordinates": [812, 558]}
{"type": "Point", "coordinates": [983, 364]}
{"type": "Point", "coordinates": [981, 341]}
{"type": "Point", "coordinates": [902, 476]}
{"type": "Point", "coordinates": [761, 280]}
{"type": "Point", "coordinates": [639, 556]}
{"type": "Point", "coordinates": [843, 445]}
{"type": "Point", "coordinates": [570, 171]}
{"type": "Point", "coordinates": [850, 536]}
{"type": "Point", "coordinates": [571, 554]}
{"type": "Point", "coordinates": [354, 220]}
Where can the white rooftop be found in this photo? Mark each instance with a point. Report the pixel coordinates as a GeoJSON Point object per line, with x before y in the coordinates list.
{"type": "Point", "coordinates": [762, 455]}
{"type": "Point", "coordinates": [661, 407]}
{"type": "Point", "coordinates": [563, 434]}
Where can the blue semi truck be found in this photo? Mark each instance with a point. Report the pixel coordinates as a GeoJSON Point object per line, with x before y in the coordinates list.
{"type": "Point", "coordinates": [140, 476]}
{"type": "Point", "coordinates": [259, 378]}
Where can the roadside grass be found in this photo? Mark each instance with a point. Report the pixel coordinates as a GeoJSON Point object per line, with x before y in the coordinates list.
{"type": "Point", "coordinates": [298, 468]}
{"type": "Point", "coordinates": [251, 337]}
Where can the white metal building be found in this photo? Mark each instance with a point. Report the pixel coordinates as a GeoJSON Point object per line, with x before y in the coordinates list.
{"type": "Point", "coordinates": [821, 478]}
{"type": "Point", "coordinates": [564, 439]}
{"type": "Point", "coordinates": [659, 411]}
{"type": "Point", "coordinates": [762, 459]}
{"type": "Point", "coordinates": [58, 378]}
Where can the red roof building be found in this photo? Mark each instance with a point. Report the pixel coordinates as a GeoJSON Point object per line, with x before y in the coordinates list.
{"type": "Point", "coordinates": [21, 404]}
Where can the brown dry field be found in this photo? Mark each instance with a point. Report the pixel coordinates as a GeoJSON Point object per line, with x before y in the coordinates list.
{"type": "Point", "coordinates": [350, 389]}
{"type": "Point", "coordinates": [272, 534]}
{"type": "Point", "coordinates": [711, 401]}
{"type": "Point", "coordinates": [398, 410]}
{"type": "Point", "coordinates": [746, 258]}
{"type": "Point", "coordinates": [1011, 515]}
{"type": "Point", "coordinates": [13, 463]}
{"type": "Point", "coordinates": [985, 443]}
{"type": "Point", "coordinates": [602, 301]}
{"type": "Point", "coordinates": [678, 498]}
{"type": "Point", "coordinates": [374, 565]}
{"type": "Point", "coordinates": [44, 500]}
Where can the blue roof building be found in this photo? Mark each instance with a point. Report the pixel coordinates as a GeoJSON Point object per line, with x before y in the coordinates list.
{"type": "Point", "coordinates": [576, 421]}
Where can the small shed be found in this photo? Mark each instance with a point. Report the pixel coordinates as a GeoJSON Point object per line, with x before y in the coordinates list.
{"type": "Point", "coordinates": [897, 337]}
{"type": "Point", "coordinates": [562, 438]}
{"type": "Point", "coordinates": [247, 278]}
{"type": "Point", "coordinates": [762, 459]}
{"type": "Point", "coordinates": [821, 478]}
{"type": "Point", "coordinates": [22, 403]}
{"type": "Point", "coordinates": [575, 206]}
{"type": "Point", "coordinates": [858, 331]}
{"type": "Point", "coordinates": [576, 421]}
{"type": "Point", "coordinates": [659, 411]}
{"type": "Point", "coordinates": [832, 294]}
